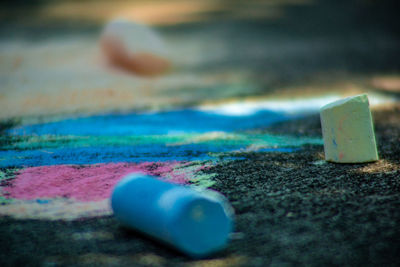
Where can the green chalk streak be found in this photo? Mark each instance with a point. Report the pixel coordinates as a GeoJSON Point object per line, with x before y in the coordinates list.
{"type": "Point", "coordinates": [264, 140]}
{"type": "Point", "coordinates": [4, 201]}
{"type": "Point", "coordinates": [5, 175]}
{"type": "Point", "coordinates": [214, 138]}
{"type": "Point", "coordinates": [203, 180]}
{"type": "Point", "coordinates": [194, 173]}
{"type": "Point", "coordinates": [52, 141]}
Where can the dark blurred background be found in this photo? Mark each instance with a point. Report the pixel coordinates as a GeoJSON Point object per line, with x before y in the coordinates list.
{"type": "Point", "coordinates": [238, 48]}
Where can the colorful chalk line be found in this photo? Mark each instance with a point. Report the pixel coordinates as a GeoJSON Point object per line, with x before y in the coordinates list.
{"type": "Point", "coordinates": [66, 169]}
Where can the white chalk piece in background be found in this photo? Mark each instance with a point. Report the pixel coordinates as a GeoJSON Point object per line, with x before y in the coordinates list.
{"type": "Point", "coordinates": [195, 222]}
{"type": "Point", "coordinates": [134, 47]}
{"type": "Point", "coordinates": [348, 131]}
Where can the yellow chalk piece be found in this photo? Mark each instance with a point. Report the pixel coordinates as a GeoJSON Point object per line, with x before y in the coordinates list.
{"type": "Point", "coordinates": [348, 131]}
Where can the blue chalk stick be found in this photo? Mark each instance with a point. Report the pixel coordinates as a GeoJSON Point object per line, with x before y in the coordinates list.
{"type": "Point", "coordinates": [195, 222]}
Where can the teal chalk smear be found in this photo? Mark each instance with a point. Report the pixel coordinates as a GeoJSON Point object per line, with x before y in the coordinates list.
{"type": "Point", "coordinates": [53, 150]}
{"type": "Point", "coordinates": [53, 141]}
{"type": "Point", "coordinates": [240, 139]}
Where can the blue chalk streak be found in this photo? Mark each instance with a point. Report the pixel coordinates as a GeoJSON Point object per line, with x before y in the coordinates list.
{"type": "Point", "coordinates": [185, 121]}
{"type": "Point", "coordinates": [334, 142]}
{"type": "Point", "coordinates": [43, 201]}
{"type": "Point", "coordinates": [170, 122]}
{"type": "Point", "coordinates": [91, 155]}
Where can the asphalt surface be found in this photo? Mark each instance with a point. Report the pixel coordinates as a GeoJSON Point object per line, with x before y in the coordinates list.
{"type": "Point", "coordinates": [292, 209]}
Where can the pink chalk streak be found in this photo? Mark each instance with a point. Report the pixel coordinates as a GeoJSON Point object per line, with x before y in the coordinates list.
{"type": "Point", "coordinates": [84, 183]}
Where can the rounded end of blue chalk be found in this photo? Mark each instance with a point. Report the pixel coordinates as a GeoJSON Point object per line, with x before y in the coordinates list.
{"type": "Point", "coordinates": [203, 225]}
{"type": "Point", "coordinates": [197, 223]}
